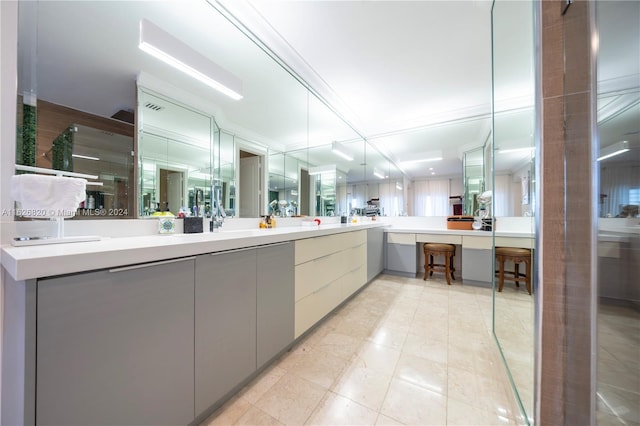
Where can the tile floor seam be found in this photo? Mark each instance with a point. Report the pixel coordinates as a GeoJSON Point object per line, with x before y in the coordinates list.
{"type": "Point", "coordinates": [399, 295]}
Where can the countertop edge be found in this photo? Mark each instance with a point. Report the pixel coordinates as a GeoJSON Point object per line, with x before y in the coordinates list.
{"type": "Point", "coordinates": [440, 231]}
{"type": "Point", "coordinates": [31, 262]}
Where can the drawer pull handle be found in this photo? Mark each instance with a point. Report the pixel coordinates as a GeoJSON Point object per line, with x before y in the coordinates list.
{"type": "Point", "coordinates": [148, 265]}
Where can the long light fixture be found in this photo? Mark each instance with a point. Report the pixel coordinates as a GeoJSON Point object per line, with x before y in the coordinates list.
{"type": "Point", "coordinates": [426, 158]}
{"type": "Point", "coordinates": [321, 170]}
{"type": "Point", "coordinates": [179, 55]}
{"type": "Point", "coordinates": [86, 157]}
{"type": "Point", "coordinates": [613, 150]}
{"type": "Point", "coordinates": [377, 174]}
{"type": "Point", "coordinates": [339, 150]}
{"type": "Point", "coordinates": [516, 150]}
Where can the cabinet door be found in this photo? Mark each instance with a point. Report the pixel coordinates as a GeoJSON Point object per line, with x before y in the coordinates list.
{"type": "Point", "coordinates": [116, 347]}
{"type": "Point", "coordinates": [477, 265]}
{"type": "Point", "coordinates": [225, 323]}
{"type": "Point", "coordinates": [275, 300]}
{"type": "Point", "coordinates": [375, 252]}
{"type": "Point", "coordinates": [402, 258]}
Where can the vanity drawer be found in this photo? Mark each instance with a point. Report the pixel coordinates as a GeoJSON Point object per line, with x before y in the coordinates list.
{"type": "Point", "coordinates": [313, 248]}
{"type": "Point", "coordinates": [401, 238]}
{"type": "Point", "coordinates": [515, 242]}
{"type": "Point", "coordinates": [473, 242]}
{"type": "Point", "coordinates": [439, 238]}
{"type": "Point", "coordinates": [312, 275]}
{"type": "Point", "coordinates": [315, 306]}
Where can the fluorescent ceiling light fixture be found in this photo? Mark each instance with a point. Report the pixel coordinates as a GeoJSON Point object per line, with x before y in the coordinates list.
{"type": "Point", "coordinates": [339, 150]}
{"type": "Point", "coordinates": [427, 157]}
{"type": "Point", "coordinates": [514, 150]}
{"type": "Point", "coordinates": [376, 173]}
{"type": "Point", "coordinates": [613, 150]}
{"type": "Point", "coordinates": [86, 157]}
{"type": "Point", "coordinates": [321, 170]}
{"type": "Point", "coordinates": [174, 52]}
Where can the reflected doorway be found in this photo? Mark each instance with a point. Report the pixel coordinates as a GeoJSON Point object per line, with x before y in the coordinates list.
{"type": "Point", "coordinates": [251, 184]}
{"type": "Point", "coordinates": [304, 192]}
{"type": "Point", "coordinates": [172, 189]}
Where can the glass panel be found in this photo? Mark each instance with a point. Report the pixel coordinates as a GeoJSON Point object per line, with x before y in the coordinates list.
{"type": "Point", "coordinates": [474, 180]}
{"type": "Point", "coordinates": [175, 157]}
{"type": "Point", "coordinates": [378, 202]}
{"type": "Point", "coordinates": [509, 162]}
{"type": "Point", "coordinates": [338, 149]}
{"type": "Point", "coordinates": [618, 317]}
{"type": "Point", "coordinates": [227, 174]}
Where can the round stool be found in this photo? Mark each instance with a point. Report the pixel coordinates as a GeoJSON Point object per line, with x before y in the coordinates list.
{"type": "Point", "coordinates": [517, 256]}
{"type": "Point", "coordinates": [437, 249]}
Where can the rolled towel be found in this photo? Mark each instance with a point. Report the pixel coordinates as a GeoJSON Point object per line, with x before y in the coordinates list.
{"type": "Point", "coordinates": [47, 196]}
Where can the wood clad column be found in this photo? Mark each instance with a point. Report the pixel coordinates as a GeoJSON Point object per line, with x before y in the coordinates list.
{"type": "Point", "coordinates": [565, 390]}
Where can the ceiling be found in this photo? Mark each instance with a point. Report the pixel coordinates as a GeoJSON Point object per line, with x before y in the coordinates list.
{"type": "Point", "coordinates": [413, 78]}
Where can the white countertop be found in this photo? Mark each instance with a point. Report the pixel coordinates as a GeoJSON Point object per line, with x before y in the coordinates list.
{"type": "Point", "coordinates": [30, 262]}
{"type": "Point", "coordinates": [422, 230]}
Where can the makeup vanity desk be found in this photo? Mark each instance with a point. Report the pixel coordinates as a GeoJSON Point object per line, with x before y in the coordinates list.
{"type": "Point", "coordinates": [474, 256]}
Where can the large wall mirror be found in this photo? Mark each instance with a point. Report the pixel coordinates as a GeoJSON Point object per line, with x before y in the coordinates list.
{"type": "Point", "coordinates": [74, 63]}
{"type": "Point", "coordinates": [512, 181]}
{"type": "Point", "coordinates": [618, 247]}
{"type": "Point", "coordinates": [175, 157]}
{"type": "Point", "coordinates": [71, 58]}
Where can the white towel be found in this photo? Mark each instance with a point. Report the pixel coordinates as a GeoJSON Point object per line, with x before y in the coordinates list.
{"type": "Point", "coordinates": [47, 196]}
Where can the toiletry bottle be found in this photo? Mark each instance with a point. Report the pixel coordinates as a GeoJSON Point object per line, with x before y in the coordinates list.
{"type": "Point", "coordinates": [91, 204]}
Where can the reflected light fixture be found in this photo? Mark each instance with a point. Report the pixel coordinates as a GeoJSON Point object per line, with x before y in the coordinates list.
{"type": "Point", "coordinates": [339, 150]}
{"type": "Point", "coordinates": [426, 158]}
{"type": "Point", "coordinates": [398, 186]}
{"type": "Point", "coordinates": [321, 170]}
{"type": "Point", "coordinates": [377, 174]}
{"type": "Point", "coordinates": [515, 150]}
{"type": "Point", "coordinates": [163, 46]}
{"type": "Point", "coordinates": [86, 157]}
{"type": "Point", "coordinates": [613, 150]}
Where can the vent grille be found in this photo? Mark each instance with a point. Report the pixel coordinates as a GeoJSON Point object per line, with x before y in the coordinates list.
{"type": "Point", "coordinates": [154, 107]}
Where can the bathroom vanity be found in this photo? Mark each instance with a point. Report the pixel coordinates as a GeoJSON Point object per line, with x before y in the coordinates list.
{"type": "Point", "coordinates": [163, 329]}
{"type": "Point", "coordinates": [474, 250]}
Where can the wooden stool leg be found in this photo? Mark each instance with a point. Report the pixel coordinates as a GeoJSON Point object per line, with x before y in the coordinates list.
{"type": "Point", "coordinates": [451, 265]}
{"type": "Point", "coordinates": [516, 271]}
{"type": "Point", "coordinates": [426, 266]}
{"type": "Point", "coordinates": [447, 265]}
{"type": "Point", "coordinates": [500, 273]}
{"type": "Point", "coordinates": [528, 271]}
{"type": "Point", "coordinates": [430, 265]}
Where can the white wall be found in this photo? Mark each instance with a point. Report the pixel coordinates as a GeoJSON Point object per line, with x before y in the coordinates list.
{"type": "Point", "coordinates": [8, 89]}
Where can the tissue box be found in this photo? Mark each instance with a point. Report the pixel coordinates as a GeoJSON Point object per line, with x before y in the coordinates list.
{"type": "Point", "coordinates": [192, 225]}
{"type": "Point", "coordinates": [460, 222]}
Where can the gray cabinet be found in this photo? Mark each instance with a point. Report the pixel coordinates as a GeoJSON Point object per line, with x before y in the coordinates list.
{"type": "Point", "coordinates": [275, 310]}
{"type": "Point", "coordinates": [375, 252]}
{"type": "Point", "coordinates": [116, 346]}
{"type": "Point", "coordinates": [225, 323]}
{"type": "Point", "coordinates": [402, 259]}
{"type": "Point", "coordinates": [477, 265]}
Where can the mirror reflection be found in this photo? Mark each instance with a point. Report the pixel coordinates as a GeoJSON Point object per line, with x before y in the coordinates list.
{"type": "Point", "coordinates": [618, 248]}
{"type": "Point", "coordinates": [276, 111]}
{"type": "Point", "coordinates": [174, 161]}
{"type": "Point", "coordinates": [508, 174]}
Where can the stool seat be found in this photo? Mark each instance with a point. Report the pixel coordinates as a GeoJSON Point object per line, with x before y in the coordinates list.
{"type": "Point", "coordinates": [517, 256]}
{"type": "Point", "coordinates": [439, 249]}
{"type": "Point", "coordinates": [513, 251]}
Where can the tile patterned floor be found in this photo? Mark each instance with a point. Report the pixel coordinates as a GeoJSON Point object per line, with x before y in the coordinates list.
{"type": "Point", "coordinates": [403, 351]}
{"type": "Point", "coordinates": [618, 378]}
{"type": "Point", "coordinates": [515, 330]}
